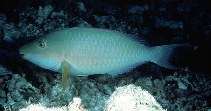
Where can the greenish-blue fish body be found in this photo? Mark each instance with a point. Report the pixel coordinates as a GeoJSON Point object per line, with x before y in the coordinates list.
{"type": "Point", "coordinates": [86, 51]}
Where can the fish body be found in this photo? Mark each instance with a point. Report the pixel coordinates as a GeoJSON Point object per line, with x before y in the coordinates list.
{"type": "Point", "coordinates": [87, 51]}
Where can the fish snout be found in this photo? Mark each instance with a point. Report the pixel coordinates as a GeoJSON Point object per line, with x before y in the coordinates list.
{"type": "Point", "coordinates": [20, 52]}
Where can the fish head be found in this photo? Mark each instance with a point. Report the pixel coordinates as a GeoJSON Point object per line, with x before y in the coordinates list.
{"type": "Point", "coordinates": [45, 52]}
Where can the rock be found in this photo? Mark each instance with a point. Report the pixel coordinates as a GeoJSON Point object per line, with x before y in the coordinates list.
{"type": "Point", "coordinates": [81, 7]}
{"type": "Point", "coordinates": [18, 88]}
{"type": "Point", "coordinates": [10, 32]}
{"type": "Point", "coordinates": [182, 85]}
{"type": "Point", "coordinates": [43, 13]}
{"type": "Point", "coordinates": [4, 71]}
{"type": "Point", "coordinates": [162, 23]}
{"type": "Point", "coordinates": [145, 83]}
{"type": "Point", "coordinates": [3, 19]}
{"type": "Point", "coordinates": [137, 9]}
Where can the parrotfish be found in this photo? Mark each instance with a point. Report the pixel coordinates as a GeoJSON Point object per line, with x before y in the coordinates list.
{"type": "Point", "coordinates": [87, 51]}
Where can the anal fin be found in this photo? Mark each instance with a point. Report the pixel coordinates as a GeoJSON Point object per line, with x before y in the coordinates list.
{"type": "Point", "coordinates": [126, 69]}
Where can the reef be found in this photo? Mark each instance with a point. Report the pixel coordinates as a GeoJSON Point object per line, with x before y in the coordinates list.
{"type": "Point", "coordinates": [26, 87]}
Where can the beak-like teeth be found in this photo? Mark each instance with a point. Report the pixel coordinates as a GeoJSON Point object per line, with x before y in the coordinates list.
{"type": "Point", "coordinates": [21, 53]}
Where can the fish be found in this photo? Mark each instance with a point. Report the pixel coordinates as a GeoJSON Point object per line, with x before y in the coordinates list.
{"type": "Point", "coordinates": [81, 51]}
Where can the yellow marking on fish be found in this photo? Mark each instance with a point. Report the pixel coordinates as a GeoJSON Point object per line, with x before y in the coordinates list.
{"type": "Point", "coordinates": [64, 76]}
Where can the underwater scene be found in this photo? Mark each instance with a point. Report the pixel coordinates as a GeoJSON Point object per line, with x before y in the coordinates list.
{"type": "Point", "coordinates": [105, 55]}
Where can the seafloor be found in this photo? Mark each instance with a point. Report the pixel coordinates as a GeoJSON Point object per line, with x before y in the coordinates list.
{"type": "Point", "coordinates": [149, 87]}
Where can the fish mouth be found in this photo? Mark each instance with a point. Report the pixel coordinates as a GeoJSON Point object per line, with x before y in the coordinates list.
{"type": "Point", "coordinates": [22, 56]}
{"type": "Point", "coordinates": [21, 53]}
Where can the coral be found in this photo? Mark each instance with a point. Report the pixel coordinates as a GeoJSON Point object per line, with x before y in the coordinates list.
{"type": "Point", "coordinates": [18, 90]}
{"type": "Point", "coordinates": [57, 95]}
{"type": "Point", "coordinates": [75, 105]}
{"type": "Point", "coordinates": [179, 90]}
{"type": "Point", "coordinates": [43, 13]}
{"type": "Point", "coordinates": [4, 71]}
{"type": "Point", "coordinates": [125, 98]}
{"type": "Point", "coordinates": [9, 30]}
{"type": "Point", "coordinates": [93, 94]}
{"type": "Point", "coordinates": [132, 98]}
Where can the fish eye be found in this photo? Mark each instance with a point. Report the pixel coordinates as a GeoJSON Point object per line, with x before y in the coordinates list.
{"type": "Point", "coordinates": [42, 44]}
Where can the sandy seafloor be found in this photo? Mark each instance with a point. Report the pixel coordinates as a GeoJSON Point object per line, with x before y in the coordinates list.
{"type": "Point", "coordinates": [26, 87]}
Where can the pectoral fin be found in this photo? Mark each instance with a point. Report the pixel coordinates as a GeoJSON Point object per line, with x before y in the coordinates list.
{"type": "Point", "coordinates": [64, 76]}
{"type": "Point", "coordinates": [68, 70]}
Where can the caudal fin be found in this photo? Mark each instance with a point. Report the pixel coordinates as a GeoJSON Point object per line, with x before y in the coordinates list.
{"type": "Point", "coordinates": [164, 55]}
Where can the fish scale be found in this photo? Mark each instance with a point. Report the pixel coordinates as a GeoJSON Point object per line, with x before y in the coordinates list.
{"type": "Point", "coordinates": [86, 51]}
{"type": "Point", "coordinates": [109, 53]}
